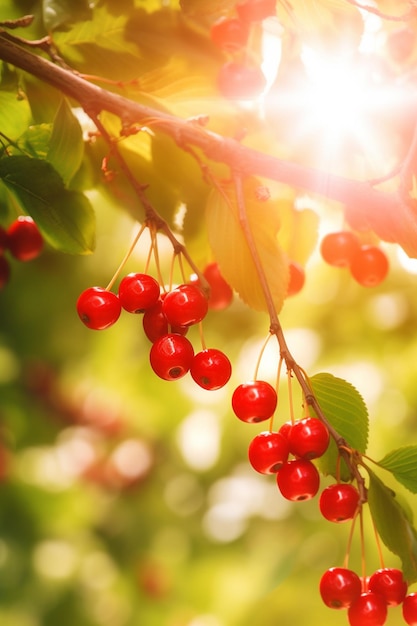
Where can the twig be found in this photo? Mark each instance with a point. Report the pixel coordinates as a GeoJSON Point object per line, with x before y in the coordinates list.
{"type": "Point", "coordinates": [277, 330]}
{"type": "Point", "coordinates": [405, 17]}
{"type": "Point", "coordinates": [152, 217]}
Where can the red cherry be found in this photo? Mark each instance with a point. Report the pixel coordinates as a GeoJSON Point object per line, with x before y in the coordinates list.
{"type": "Point", "coordinates": [256, 10]}
{"type": "Point", "coordinates": [24, 239]}
{"type": "Point", "coordinates": [298, 480]}
{"type": "Point", "coordinates": [4, 240]}
{"type": "Point", "coordinates": [185, 305]}
{"type": "Point", "coordinates": [339, 502]}
{"type": "Point", "coordinates": [369, 266]}
{"type": "Point", "coordinates": [229, 33]}
{"type": "Point", "coordinates": [285, 429]}
{"type": "Point", "coordinates": [221, 293]}
{"type": "Point", "coordinates": [409, 609]}
{"type": "Point", "coordinates": [171, 356]}
{"type": "Point", "coordinates": [254, 401]}
{"type": "Point", "coordinates": [339, 248]}
{"type": "Point", "coordinates": [389, 583]}
{"type": "Point", "coordinates": [370, 609]}
{"type": "Point", "coordinates": [211, 369]}
{"type": "Point", "coordinates": [155, 324]}
{"type": "Point", "coordinates": [138, 292]}
{"type": "Point", "coordinates": [297, 278]}
{"type": "Point", "coordinates": [98, 308]}
{"type": "Point", "coordinates": [308, 438]}
{"type": "Point", "coordinates": [268, 452]}
{"type": "Point", "coordinates": [238, 81]}
{"type": "Point", "coordinates": [4, 272]}
{"type": "Point", "coordinates": [340, 587]}
{"type": "Point", "coordinates": [401, 43]}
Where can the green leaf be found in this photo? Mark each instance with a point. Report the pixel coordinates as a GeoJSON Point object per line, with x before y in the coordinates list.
{"type": "Point", "coordinates": [59, 13]}
{"type": "Point", "coordinates": [15, 114]}
{"type": "Point", "coordinates": [346, 411]}
{"type": "Point", "coordinates": [403, 464]}
{"type": "Point", "coordinates": [393, 525]}
{"type": "Point", "coordinates": [66, 147]}
{"type": "Point", "coordinates": [35, 140]}
{"type": "Point", "coordinates": [99, 46]}
{"type": "Point", "coordinates": [66, 218]}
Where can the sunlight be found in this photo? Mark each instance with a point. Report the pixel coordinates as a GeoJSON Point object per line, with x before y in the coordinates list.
{"type": "Point", "coordinates": [336, 95]}
{"type": "Point", "coordinates": [335, 104]}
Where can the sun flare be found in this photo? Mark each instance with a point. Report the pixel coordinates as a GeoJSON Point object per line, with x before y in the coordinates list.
{"type": "Point", "coordinates": [334, 104]}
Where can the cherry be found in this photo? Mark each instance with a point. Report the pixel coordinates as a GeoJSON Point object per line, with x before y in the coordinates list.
{"type": "Point", "coordinates": [138, 292]}
{"type": "Point", "coordinates": [155, 324]}
{"type": "Point", "coordinates": [370, 609]}
{"type": "Point", "coordinates": [4, 240]}
{"type": "Point", "coordinates": [296, 280]}
{"type": "Point", "coordinates": [389, 583]}
{"type": "Point", "coordinates": [268, 452]}
{"type": "Point", "coordinates": [171, 356]}
{"type": "Point", "coordinates": [254, 401]}
{"type": "Point", "coordinates": [98, 308]}
{"type": "Point", "coordinates": [229, 33]}
{"type": "Point", "coordinates": [401, 43]}
{"type": "Point", "coordinates": [340, 587]}
{"type": "Point", "coordinates": [4, 272]}
{"type": "Point", "coordinates": [298, 479]}
{"type": "Point", "coordinates": [24, 239]}
{"type": "Point", "coordinates": [185, 305]}
{"type": "Point", "coordinates": [339, 503]}
{"type": "Point", "coordinates": [211, 369]}
{"type": "Point", "coordinates": [409, 609]}
{"type": "Point", "coordinates": [240, 81]}
{"type": "Point", "coordinates": [256, 10]}
{"type": "Point", "coordinates": [285, 429]}
{"type": "Point", "coordinates": [221, 293]}
{"type": "Point", "coordinates": [370, 266]}
{"type": "Point", "coordinates": [339, 248]}
{"type": "Point", "coordinates": [308, 438]}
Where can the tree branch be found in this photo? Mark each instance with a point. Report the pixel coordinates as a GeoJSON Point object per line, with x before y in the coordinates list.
{"type": "Point", "coordinates": [389, 215]}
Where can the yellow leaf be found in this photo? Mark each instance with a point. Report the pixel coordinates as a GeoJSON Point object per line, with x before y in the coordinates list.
{"type": "Point", "coordinates": [231, 251]}
{"type": "Point", "coordinates": [299, 231]}
{"type": "Point", "coordinates": [330, 25]}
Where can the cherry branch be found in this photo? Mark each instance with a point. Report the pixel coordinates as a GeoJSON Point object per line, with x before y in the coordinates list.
{"type": "Point", "coordinates": [404, 17]}
{"type": "Point", "coordinates": [276, 329]}
{"type": "Point", "coordinates": [381, 208]}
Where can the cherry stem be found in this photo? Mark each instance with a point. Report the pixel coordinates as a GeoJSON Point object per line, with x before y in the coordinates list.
{"type": "Point", "coordinates": [350, 540]}
{"type": "Point", "coordinates": [126, 258]}
{"type": "Point", "coordinates": [278, 378]}
{"type": "Point", "coordinates": [259, 360]}
{"type": "Point", "coordinates": [378, 545]}
{"type": "Point", "coordinates": [363, 556]}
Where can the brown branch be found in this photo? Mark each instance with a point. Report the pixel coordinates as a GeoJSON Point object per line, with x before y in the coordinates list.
{"type": "Point", "coordinates": [404, 17]}
{"type": "Point", "coordinates": [389, 214]}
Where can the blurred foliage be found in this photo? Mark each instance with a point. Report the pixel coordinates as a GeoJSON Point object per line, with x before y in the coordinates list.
{"type": "Point", "coordinates": [126, 500]}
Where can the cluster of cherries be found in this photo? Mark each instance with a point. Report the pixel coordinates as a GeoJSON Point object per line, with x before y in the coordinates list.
{"type": "Point", "coordinates": [368, 264]}
{"type": "Point", "coordinates": [288, 453]}
{"type": "Point", "coordinates": [166, 319]}
{"type": "Point", "coordinates": [240, 77]}
{"type": "Point", "coordinates": [367, 600]}
{"type": "Point", "coordinates": [23, 240]}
